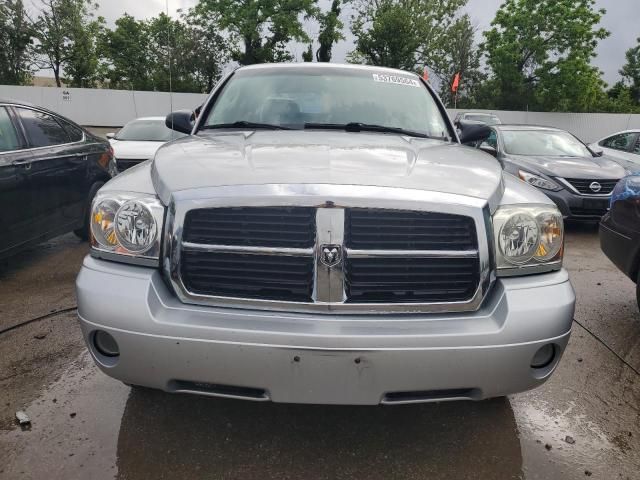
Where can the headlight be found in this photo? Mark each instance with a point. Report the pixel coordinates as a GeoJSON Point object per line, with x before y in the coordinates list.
{"type": "Point", "coordinates": [538, 181]}
{"type": "Point", "coordinates": [528, 239]}
{"type": "Point", "coordinates": [126, 227]}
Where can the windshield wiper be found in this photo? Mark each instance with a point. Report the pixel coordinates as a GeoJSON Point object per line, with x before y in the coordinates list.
{"type": "Point", "coordinates": [368, 127]}
{"type": "Point", "coordinates": [246, 124]}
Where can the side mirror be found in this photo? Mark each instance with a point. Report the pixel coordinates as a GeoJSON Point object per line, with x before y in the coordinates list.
{"type": "Point", "coordinates": [596, 150]}
{"type": "Point", "coordinates": [473, 132]}
{"type": "Point", "coordinates": [110, 135]}
{"type": "Point", "coordinates": [180, 121]}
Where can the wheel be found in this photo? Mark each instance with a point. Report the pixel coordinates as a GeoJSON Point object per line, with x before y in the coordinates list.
{"type": "Point", "coordinates": [83, 232]}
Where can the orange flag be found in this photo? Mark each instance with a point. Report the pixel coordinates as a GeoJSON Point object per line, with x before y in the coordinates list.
{"type": "Point", "coordinates": [456, 83]}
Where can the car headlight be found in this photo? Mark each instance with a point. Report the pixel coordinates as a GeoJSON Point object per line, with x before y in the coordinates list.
{"type": "Point", "coordinates": [528, 239]}
{"type": "Point", "coordinates": [127, 227]}
{"type": "Point", "coordinates": [538, 181]}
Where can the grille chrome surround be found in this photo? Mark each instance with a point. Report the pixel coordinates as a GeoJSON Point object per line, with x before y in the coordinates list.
{"type": "Point", "coordinates": [330, 201]}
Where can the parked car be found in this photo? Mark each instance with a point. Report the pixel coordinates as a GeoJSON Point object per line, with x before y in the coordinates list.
{"type": "Point", "coordinates": [139, 140]}
{"type": "Point", "coordinates": [479, 117]}
{"type": "Point", "coordinates": [578, 180]}
{"type": "Point", "coordinates": [50, 169]}
{"type": "Point", "coordinates": [620, 229]}
{"type": "Point", "coordinates": [308, 244]}
{"type": "Point", "coordinates": [623, 147]}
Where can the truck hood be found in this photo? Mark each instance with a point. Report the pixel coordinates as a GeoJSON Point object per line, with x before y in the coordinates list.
{"type": "Point", "coordinates": [571, 167]}
{"type": "Point", "coordinates": [324, 157]}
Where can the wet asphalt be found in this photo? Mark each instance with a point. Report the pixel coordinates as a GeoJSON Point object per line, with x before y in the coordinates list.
{"type": "Point", "coordinates": [583, 423]}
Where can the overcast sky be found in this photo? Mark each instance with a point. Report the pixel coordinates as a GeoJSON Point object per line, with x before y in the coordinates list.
{"type": "Point", "coordinates": [621, 20]}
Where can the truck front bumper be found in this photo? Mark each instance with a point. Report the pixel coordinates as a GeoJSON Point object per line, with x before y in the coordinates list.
{"type": "Point", "coordinates": [320, 358]}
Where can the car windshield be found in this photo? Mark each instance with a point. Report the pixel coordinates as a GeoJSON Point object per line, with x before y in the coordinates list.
{"type": "Point", "coordinates": [543, 143]}
{"type": "Point", "coordinates": [486, 119]}
{"type": "Point", "coordinates": [328, 97]}
{"type": "Point", "coordinates": [147, 131]}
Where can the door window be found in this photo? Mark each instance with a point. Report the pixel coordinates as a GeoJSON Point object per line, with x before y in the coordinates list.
{"type": "Point", "coordinates": [636, 147]}
{"type": "Point", "coordinates": [622, 141]}
{"type": "Point", "coordinates": [74, 132]}
{"type": "Point", "coordinates": [42, 129]}
{"type": "Point", "coordinates": [8, 137]}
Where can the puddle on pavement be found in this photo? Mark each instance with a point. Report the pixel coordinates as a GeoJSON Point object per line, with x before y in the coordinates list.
{"type": "Point", "coordinates": [74, 429]}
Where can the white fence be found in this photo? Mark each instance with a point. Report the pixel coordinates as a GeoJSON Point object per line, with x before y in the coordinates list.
{"type": "Point", "coordinates": [114, 108]}
{"type": "Point", "coordinates": [102, 107]}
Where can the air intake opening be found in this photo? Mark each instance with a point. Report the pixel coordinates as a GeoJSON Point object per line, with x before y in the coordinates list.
{"type": "Point", "coordinates": [431, 395]}
{"type": "Point", "coordinates": [214, 389]}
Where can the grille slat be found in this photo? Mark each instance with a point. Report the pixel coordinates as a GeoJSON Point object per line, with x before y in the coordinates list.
{"type": "Point", "coordinates": [413, 280]}
{"type": "Point", "coordinates": [260, 277]}
{"type": "Point", "coordinates": [407, 230]}
{"type": "Point", "coordinates": [407, 280]}
{"type": "Point", "coordinates": [582, 185]}
{"type": "Point", "coordinates": [292, 227]}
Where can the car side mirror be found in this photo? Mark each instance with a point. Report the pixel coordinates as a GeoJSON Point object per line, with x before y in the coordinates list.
{"type": "Point", "coordinates": [180, 121]}
{"type": "Point", "coordinates": [489, 149]}
{"type": "Point", "coordinates": [596, 151]}
{"type": "Point", "coordinates": [471, 133]}
{"type": "Point", "coordinates": [110, 135]}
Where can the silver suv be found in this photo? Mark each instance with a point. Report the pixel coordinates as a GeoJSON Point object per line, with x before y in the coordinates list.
{"type": "Point", "coordinates": [321, 236]}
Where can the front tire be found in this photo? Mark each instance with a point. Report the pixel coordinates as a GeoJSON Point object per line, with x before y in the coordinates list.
{"type": "Point", "coordinates": [83, 232]}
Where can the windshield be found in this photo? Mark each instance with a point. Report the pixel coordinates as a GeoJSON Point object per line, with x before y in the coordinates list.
{"type": "Point", "coordinates": [147, 131]}
{"type": "Point", "coordinates": [292, 98]}
{"type": "Point", "coordinates": [486, 119]}
{"type": "Point", "coordinates": [543, 143]}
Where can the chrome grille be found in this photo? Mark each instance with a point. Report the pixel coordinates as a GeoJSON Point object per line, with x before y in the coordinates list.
{"type": "Point", "coordinates": [431, 258]}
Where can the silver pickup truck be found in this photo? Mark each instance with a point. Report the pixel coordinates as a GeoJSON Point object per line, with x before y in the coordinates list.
{"type": "Point", "coordinates": [321, 236]}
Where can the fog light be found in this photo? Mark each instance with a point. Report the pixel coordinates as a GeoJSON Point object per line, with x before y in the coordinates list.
{"type": "Point", "coordinates": [544, 356]}
{"type": "Point", "coordinates": [105, 344]}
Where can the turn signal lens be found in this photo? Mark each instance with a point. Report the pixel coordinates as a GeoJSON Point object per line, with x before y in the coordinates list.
{"type": "Point", "coordinates": [551, 234]}
{"type": "Point", "coordinates": [103, 223]}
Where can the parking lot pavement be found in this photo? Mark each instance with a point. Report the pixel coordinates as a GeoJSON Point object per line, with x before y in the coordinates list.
{"type": "Point", "coordinates": [584, 423]}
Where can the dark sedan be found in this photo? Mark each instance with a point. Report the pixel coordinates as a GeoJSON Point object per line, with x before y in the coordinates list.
{"type": "Point", "coordinates": [50, 169]}
{"type": "Point", "coordinates": [620, 229]}
{"type": "Point", "coordinates": [578, 180]}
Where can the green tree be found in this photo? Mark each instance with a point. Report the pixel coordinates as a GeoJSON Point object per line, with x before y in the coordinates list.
{"type": "Point", "coordinates": [406, 34]}
{"type": "Point", "coordinates": [65, 31]}
{"type": "Point", "coordinates": [330, 32]}
{"type": "Point", "coordinates": [631, 71]}
{"type": "Point", "coordinates": [125, 62]}
{"type": "Point", "coordinates": [15, 43]}
{"type": "Point", "coordinates": [540, 51]}
{"type": "Point", "coordinates": [461, 55]}
{"type": "Point", "coordinates": [307, 56]}
{"type": "Point", "coordinates": [207, 49]}
{"type": "Point", "coordinates": [263, 27]}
